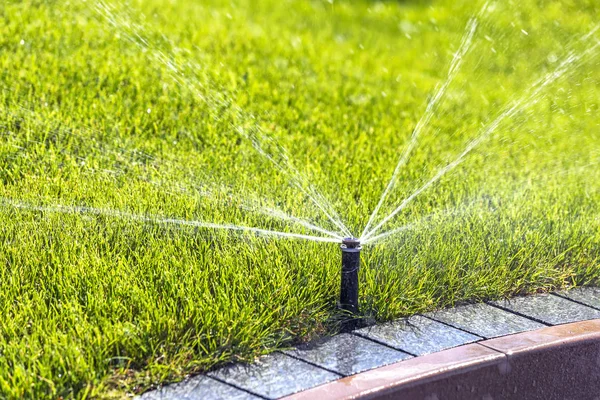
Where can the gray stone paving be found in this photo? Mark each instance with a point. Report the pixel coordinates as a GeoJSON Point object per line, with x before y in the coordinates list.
{"type": "Point", "coordinates": [550, 309]}
{"type": "Point", "coordinates": [274, 376]}
{"type": "Point", "coordinates": [198, 388]}
{"type": "Point", "coordinates": [307, 366]}
{"type": "Point", "coordinates": [485, 320]}
{"type": "Point", "coordinates": [584, 295]}
{"type": "Point", "coordinates": [348, 354]}
{"type": "Point", "coordinates": [418, 335]}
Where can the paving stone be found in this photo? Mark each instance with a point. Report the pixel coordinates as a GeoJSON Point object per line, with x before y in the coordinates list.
{"type": "Point", "coordinates": [485, 320]}
{"type": "Point", "coordinates": [198, 388]}
{"type": "Point", "coordinates": [553, 310]}
{"type": "Point", "coordinates": [417, 335]}
{"type": "Point", "coordinates": [274, 376]}
{"type": "Point", "coordinates": [585, 295]}
{"type": "Point", "coordinates": [348, 354]}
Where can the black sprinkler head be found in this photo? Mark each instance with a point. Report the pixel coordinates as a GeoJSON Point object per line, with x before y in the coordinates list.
{"type": "Point", "coordinates": [351, 243]}
{"type": "Point", "coordinates": [349, 291]}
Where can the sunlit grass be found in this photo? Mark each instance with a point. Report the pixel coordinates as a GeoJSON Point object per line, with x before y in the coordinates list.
{"type": "Point", "coordinates": [142, 117]}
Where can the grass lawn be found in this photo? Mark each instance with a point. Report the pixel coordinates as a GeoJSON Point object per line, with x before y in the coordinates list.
{"type": "Point", "coordinates": [117, 120]}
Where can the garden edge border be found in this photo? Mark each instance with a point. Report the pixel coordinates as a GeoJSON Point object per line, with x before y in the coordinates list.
{"type": "Point", "coordinates": [552, 362]}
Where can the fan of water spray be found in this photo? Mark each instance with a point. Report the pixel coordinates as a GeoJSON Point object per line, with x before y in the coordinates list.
{"type": "Point", "coordinates": [529, 97]}
{"type": "Point", "coordinates": [217, 101]}
{"type": "Point", "coordinates": [249, 128]}
{"type": "Point", "coordinates": [155, 219]}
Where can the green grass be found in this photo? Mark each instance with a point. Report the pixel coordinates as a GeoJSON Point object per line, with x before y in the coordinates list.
{"type": "Point", "coordinates": [102, 306]}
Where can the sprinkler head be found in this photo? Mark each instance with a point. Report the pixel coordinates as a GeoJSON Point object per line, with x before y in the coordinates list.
{"type": "Point", "coordinates": [351, 243]}
{"type": "Point", "coordinates": [349, 289]}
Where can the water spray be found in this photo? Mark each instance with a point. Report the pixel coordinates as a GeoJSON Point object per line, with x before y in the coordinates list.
{"type": "Point", "coordinates": [349, 290]}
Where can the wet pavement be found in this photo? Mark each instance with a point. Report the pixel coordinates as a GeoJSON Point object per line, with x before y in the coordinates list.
{"type": "Point", "coordinates": [329, 359]}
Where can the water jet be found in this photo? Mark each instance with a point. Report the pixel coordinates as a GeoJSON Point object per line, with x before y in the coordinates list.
{"type": "Point", "coordinates": [351, 248]}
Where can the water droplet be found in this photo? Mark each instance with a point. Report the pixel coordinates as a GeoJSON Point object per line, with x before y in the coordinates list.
{"type": "Point", "coordinates": [407, 26]}
{"type": "Point", "coordinates": [340, 38]}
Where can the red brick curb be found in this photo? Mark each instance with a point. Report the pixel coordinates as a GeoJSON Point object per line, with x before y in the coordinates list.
{"type": "Point", "coordinates": [559, 362]}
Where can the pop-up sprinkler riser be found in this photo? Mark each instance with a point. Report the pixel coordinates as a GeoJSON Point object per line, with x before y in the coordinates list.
{"type": "Point", "coordinates": [350, 265]}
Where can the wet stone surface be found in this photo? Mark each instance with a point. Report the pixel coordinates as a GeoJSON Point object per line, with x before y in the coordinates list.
{"type": "Point", "coordinates": [418, 335]}
{"type": "Point", "coordinates": [550, 309]}
{"type": "Point", "coordinates": [348, 354]}
{"type": "Point", "coordinates": [274, 376]}
{"type": "Point", "coordinates": [484, 320]}
{"type": "Point", "coordinates": [198, 388]}
{"type": "Point", "coordinates": [585, 295]}
{"type": "Point", "coordinates": [279, 375]}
